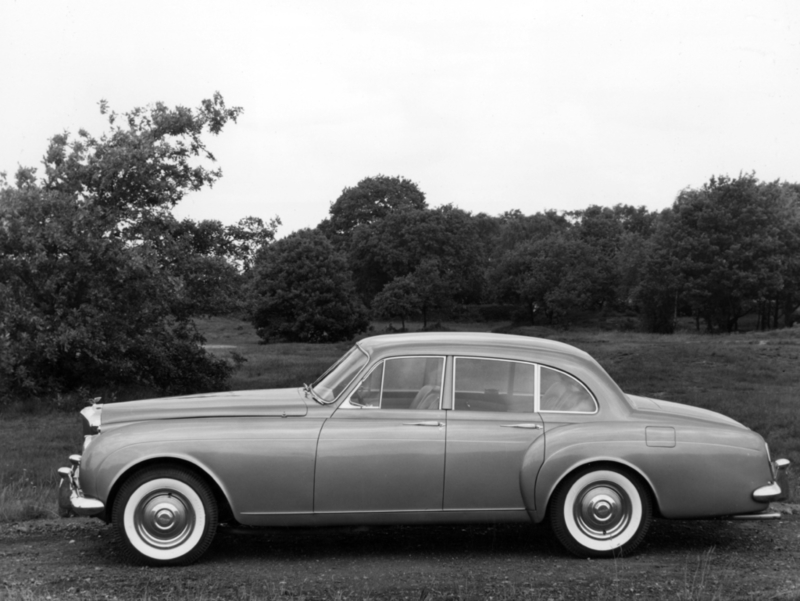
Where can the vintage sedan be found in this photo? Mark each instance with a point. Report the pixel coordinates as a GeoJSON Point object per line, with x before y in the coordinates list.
{"type": "Point", "coordinates": [418, 429]}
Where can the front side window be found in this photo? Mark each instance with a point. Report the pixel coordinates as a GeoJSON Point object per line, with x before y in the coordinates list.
{"type": "Point", "coordinates": [402, 383]}
{"type": "Point", "coordinates": [563, 393]}
{"type": "Point", "coordinates": [494, 385]}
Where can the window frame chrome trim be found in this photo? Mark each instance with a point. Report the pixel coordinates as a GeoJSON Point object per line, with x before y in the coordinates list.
{"type": "Point", "coordinates": [537, 391]}
{"type": "Point", "coordinates": [382, 362]}
{"type": "Point", "coordinates": [535, 376]}
{"type": "Point", "coordinates": [584, 386]}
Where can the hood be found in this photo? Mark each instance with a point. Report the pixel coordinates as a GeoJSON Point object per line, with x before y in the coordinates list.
{"type": "Point", "coordinates": [680, 410]}
{"type": "Point", "coordinates": [286, 402]}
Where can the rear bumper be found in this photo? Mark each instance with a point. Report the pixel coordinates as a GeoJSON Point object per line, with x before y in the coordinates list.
{"type": "Point", "coordinates": [778, 488]}
{"type": "Point", "coordinates": [70, 497]}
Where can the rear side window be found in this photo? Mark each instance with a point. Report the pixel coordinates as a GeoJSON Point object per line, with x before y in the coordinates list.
{"type": "Point", "coordinates": [563, 393]}
{"type": "Point", "coordinates": [494, 385]}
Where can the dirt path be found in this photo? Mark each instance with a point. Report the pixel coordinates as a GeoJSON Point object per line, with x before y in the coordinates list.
{"type": "Point", "coordinates": [76, 559]}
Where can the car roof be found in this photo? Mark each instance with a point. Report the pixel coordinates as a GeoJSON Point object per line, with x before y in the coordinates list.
{"type": "Point", "coordinates": [465, 341]}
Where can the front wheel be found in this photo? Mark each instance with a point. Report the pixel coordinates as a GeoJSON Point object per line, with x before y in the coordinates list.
{"type": "Point", "coordinates": [165, 516]}
{"type": "Point", "coordinates": [601, 512]}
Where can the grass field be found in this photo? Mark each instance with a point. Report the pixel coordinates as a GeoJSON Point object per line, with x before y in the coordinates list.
{"type": "Point", "coordinates": [754, 378]}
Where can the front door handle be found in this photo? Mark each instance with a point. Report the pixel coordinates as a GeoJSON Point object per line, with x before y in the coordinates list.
{"type": "Point", "coordinates": [526, 426]}
{"type": "Point", "coordinates": [431, 423]}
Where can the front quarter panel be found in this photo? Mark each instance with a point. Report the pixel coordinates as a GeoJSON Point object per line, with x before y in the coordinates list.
{"type": "Point", "coordinates": [262, 465]}
{"type": "Point", "coordinates": [710, 471]}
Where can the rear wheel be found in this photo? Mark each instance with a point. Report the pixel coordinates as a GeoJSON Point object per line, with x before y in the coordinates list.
{"type": "Point", "coordinates": [601, 512]}
{"type": "Point", "coordinates": [165, 516]}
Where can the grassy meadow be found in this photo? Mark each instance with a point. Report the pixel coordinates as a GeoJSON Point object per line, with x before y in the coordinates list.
{"type": "Point", "coordinates": [752, 377]}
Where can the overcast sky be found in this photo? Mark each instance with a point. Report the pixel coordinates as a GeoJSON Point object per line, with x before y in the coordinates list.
{"type": "Point", "coordinates": [490, 106]}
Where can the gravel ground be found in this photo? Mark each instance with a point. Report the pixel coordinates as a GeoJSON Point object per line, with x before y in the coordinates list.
{"type": "Point", "coordinates": [719, 559]}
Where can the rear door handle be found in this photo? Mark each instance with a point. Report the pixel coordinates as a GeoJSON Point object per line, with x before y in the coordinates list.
{"type": "Point", "coordinates": [431, 423]}
{"type": "Point", "coordinates": [526, 426]}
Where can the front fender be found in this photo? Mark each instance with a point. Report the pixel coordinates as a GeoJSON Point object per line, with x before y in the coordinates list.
{"type": "Point", "coordinates": [262, 465]}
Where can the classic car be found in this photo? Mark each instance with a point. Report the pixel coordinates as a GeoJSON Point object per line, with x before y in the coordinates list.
{"type": "Point", "coordinates": [418, 429]}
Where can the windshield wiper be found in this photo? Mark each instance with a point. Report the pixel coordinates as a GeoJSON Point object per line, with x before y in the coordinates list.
{"type": "Point", "coordinates": [313, 395]}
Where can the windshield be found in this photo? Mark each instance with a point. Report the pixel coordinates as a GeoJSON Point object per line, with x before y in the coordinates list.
{"type": "Point", "coordinates": [331, 384]}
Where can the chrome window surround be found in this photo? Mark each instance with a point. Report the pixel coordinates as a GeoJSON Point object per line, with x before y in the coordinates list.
{"type": "Point", "coordinates": [382, 364]}
{"type": "Point", "coordinates": [536, 384]}
{"type": "Point", "coordinates": [535, 376]}
{"type": "Point", "coordinates": [569, 375]}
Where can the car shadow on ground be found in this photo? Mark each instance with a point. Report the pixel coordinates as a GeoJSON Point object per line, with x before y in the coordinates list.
{"type": "Point", "coordinates": [453, 542]}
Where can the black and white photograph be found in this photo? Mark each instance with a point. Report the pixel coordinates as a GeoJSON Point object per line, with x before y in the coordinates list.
{"type": "Point", "coordinates": [420, 301]}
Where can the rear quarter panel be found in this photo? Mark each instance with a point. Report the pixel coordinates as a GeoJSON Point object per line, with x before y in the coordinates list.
{"type": "Point", "coordinates": [711, 470]}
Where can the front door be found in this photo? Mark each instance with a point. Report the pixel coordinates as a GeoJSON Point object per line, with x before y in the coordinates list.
{"type": "Point", "coordinates": [383, 449]}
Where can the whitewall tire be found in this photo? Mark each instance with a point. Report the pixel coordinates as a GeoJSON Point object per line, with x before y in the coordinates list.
{"type": "Point", "coordinates": [165, 516]}
{"type": "Point", "coordinates": [601, 512]}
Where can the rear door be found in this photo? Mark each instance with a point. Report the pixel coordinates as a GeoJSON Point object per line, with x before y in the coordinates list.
{"type": "Point", "coordinates": [490, 431]}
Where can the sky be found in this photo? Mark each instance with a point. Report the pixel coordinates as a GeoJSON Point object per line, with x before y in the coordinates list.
{"type": "Point", "coordinates": [487, 106]}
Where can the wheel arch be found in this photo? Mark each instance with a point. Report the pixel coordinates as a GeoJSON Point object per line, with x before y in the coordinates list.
{"type": "Point", "coordinates": [225, 509]}
{"type": "Point", "coordinates": [544, 499]}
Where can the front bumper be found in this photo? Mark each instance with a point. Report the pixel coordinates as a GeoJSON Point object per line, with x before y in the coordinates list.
{"type": "Point", "coordinates": [70, 497]}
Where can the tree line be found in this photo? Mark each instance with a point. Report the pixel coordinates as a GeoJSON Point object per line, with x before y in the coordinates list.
{"type": "Point", "coordinates": [720, 252]}
{"type": "Point", "coordinates": [100, 284]}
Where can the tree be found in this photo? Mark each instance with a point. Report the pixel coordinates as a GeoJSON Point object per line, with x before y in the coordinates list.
{"type": "Point", "coordinates": [95, 291]}
{"type": "Point", "coordinates": [398, 298]}
{"type": "Point", "coordinates": [612, 232]}
{"type": "Point", "coordinates": [373, 198]}
{"type": "Point", "coordinates": [554, 275]}
{"type": "Point", "coordinates": [214, 260]}
{"type": "Point", "coordinates": [303, 292]}
{"type": "Point", "coordinates": [399, 243]}
{"type": "Point", "coordinates": [651, 275]}
{"type": "Point", "coordinates": [516, 228]}
{"type": "Point", "coordinates": [730, 239]}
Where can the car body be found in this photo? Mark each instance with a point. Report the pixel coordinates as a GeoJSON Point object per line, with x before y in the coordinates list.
{"type": "Point", "coordinates": [414, 429]}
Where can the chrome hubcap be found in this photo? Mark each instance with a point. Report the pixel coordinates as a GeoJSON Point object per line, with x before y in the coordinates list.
{"type": "Point", "coordinates": [602, 511]}
{"type": "Point", "coordinates": [164, 519]}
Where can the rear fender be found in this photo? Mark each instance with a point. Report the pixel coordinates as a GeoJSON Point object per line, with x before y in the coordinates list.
{"type": "Point", "coordinates": [571, 447]}
{"type": "Point", "coordinates": [697, 471]}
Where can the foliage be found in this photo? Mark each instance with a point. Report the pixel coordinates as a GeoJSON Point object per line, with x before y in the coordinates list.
{"type": "Point", "coordinates": [554, 275]}
{"type": "Point", "coordinates": [399, 298]}
{"type": "Point", "coordinates": [98, 282]}
{"type": "Point", "coordinates": [236, 244]}
{"type": "Point", "coordinates": [657, 284]}
{"type": "Point", "coordinates": [373, 198]}
{"type": "Point", "coordinates": [303, 292]}
{"type": "Point", "coordinates": [515, 228]}
{"type": "Point", "coordinates": [445, 238]}
{"type": "Point", "coordinates": [213, 260]}
{"type": "Point", "coordinates": [732, 241]}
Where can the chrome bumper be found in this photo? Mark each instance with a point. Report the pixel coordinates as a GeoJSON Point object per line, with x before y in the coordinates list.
{"type": "Point", "coordinates": [70, 497]}
{"type": "Point", "coordinates": [777, 489]}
